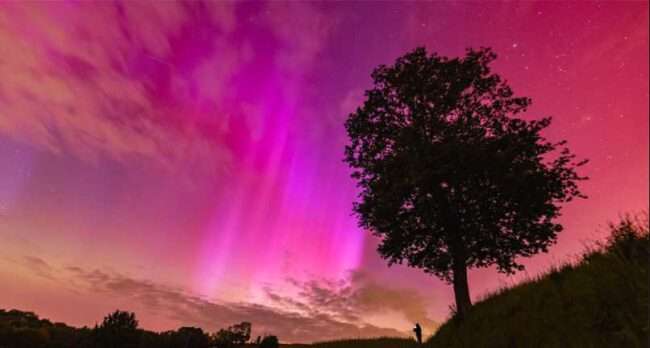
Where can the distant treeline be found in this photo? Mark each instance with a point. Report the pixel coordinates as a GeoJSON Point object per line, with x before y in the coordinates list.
{"type": "Point", "coordinates": [119, 329]}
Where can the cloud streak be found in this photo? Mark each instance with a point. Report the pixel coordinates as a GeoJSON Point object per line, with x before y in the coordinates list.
{"type": "Point", "coordinates": [289, 324]}
{"type": "Point", "coordinates": [356, 298]}
{"type": "Point", "coordinates": [38, 267]}
{"type": "Point", "coordinates": [123, 81]}
{"type": "Point", "coordinates": [189, 309]}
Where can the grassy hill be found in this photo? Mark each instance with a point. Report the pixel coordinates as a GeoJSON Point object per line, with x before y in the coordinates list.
{"type": "Point", "coordinates": [600, 302]}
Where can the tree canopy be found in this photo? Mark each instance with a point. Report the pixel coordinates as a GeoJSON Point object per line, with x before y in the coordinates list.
{"type": "Point", "coordinates": [450, 176]}
{"type": "Point", "coordinates": [120, 320]}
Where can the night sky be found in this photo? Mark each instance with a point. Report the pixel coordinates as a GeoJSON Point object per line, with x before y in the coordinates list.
{"type": "Point", "coordinates": [184, 161]}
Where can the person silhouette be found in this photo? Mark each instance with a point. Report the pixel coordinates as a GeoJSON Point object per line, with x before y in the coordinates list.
{"type": "Point", "coordinates": [418, 332]}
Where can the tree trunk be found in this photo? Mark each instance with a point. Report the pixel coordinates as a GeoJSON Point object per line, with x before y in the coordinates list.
{"type": "Point", "coordinates": [461, 288]}
{"type": "Point", "coordinates": [459, 261]}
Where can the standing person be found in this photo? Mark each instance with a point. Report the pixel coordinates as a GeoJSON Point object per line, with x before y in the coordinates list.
{"type": "Point", "coordinates": [418, 332]}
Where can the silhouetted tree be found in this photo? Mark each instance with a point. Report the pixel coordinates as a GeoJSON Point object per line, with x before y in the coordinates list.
{"type": "Point", "coordinates": [120, 320]}
{"type": "Point", "coordinates": [223, 338]}
{"type": "Point", "coordinates": [191, 337]}
{"type": "Point", "coordinates": [270, 342]}
{"type": "Point", "coordinates": [242, 332]}
{"type": "Point", "coordinates": [449, 177]}
{"type": "Point", "coordinates": [235, 335]}
{"type": "Point", "coordinates": [119, 329]}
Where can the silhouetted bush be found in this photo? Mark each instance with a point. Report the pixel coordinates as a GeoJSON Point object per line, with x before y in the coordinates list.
{"type": "Point", "coordinates": [118, 330]}
{"type": "Point", "coordinates": [270, 342]}
{"type": "Point", "coordinates": [235, 335]}
{"type": "Point", "coordinates": [189, 337]}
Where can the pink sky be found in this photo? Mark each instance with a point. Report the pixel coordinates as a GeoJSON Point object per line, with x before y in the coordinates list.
{"type": "Point", "coordinates": [184, 160]}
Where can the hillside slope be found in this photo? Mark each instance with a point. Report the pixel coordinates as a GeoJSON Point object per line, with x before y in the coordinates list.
{"type": "Point", "coordinates": [600, 302]}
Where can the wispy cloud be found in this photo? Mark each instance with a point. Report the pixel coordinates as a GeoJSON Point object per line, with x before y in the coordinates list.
{"type": "Point", "coordinates": [355, 299]}
{"type": "Point", "coordinates": [134, 81]}
{"type": "Point", "coordinates": [326, 315]}
{"type": "Point", "coordinates": [188, 309]}
{"type": "Point", "coordinates": [125, 81]}
{"type": "Point", "coordinates": [38, 267]}
{"type": "Point", "coordinates": [96, 80]}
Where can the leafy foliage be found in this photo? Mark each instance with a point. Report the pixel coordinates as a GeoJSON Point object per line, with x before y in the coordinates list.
{"type": "Point", "coordinates": [234, 335]}
{"type": "Point", "coordinates": [118, 329]}
{"type": "Point", "coordinates": [450, 177]}
{"type": "Point", "coordinates": [120, 321]}
{"type": "Point", "coordinates": [439, 156]}
{"type": "Point", "coordinates": [190, 337]}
